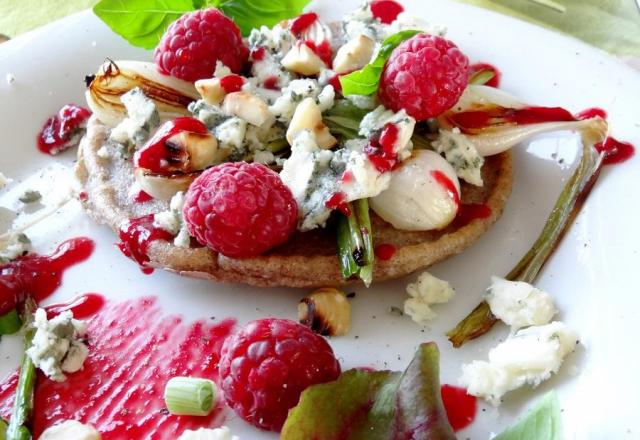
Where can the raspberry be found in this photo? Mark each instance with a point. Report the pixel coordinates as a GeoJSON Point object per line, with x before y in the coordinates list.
{"type": "Point", "coordinates": [191, 46]}
{"type": "Point", "coordinates": [425, 75]}
{"type": "Point", "coordinates": [240, 210]}
{"type": "Point", "coordinates": [265, 367]}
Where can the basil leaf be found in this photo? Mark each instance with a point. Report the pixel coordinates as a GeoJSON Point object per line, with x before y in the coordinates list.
{"type": "Point", "coordinates": [543, 421]}
{"type": "Point", "coordinates": [374, 405]}
{"type": "Point", "coordinates": [141, 22]}
{"type": "Point", "coordinates": [250, 14]}
{"type": "Point", "coordinates": [365, 81]}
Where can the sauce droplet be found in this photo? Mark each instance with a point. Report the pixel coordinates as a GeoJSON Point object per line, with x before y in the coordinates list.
{"type": "Point", "coordinates": [323, 50]}
{"type": "Point", "coordinates": [386, 10]}
{"type": "Point", "coordinates": [63, 130]}
{"type": "Point", "coordinates": [303, 22]}
{"type": "Point", "coordinates": [81, 306]}
{"type": "Point", "coordinates": [142, 197]}
{"type": "Point", "coordinates": [39, 276]}
{"type": "Point", "coordinates": [271, 83]}
{"type": "Point", "coordinates": [258, 54]}
{"type": "Point", "coordinates": [385, 251]}
{"type": "Point", "coordinates": [338, 201]}
{"type": "Point", "coordinates": [461, 407]}
{"type": "Point", "coordinates": [615, 151]}
{"type": "Point", "coordinates": [136, 236]}
{"type": "Point", "coordinates": [231, 83]}
{"type": "Point", "coordinates": [134, 349]}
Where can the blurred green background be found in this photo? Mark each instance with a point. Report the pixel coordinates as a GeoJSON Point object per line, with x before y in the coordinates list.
{"type": "Point", "coordinates": [613, 25]}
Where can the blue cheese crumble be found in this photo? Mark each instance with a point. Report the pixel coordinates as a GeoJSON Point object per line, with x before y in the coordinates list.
{"type": "Point", "coordinates": [142, 118]}
{"type": "Point", "coordinates": [57, 346]}
{"type": "Point", "coordinates": [13, 245]}
{"type": "Point", "coordinates": [172, 221]}
{"type": "Point", "coordinates": [423, 294]}
{"type": "Point", "coordinates": [462, 154]}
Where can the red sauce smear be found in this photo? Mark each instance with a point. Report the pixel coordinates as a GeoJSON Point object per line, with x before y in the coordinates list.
{"type": "Point", "coordinates": [39, 276]}
{"type": "Point", "coordinates": [470, 121]}
{"type": "Point", "coordinates": [83, 196]}
{"type": "Point", "coordinates": [158, 155]}
{"type": "Point", "coordinates": [346, 177]}
{"type": "Point", "coordinates": [335, 81]}
{"type": "Point", "coordinates": [142, 197]}
{"type": "Point", "coordinates": [323, 50]}
{"type": "Point", "coordinates": [81, 306]}
{"type": "Point", "coordinates": [303, 22]}
{"type": "Point", "coordinates": [337, 201]}
{"type": "Point", "coordinates": [592, 113]}
{"type": "Point", "coordinates": [381, 152]}
{"type": "Point", "coordinates": [136, 236]}
{"type": "Point", "coordinates": [497, 75]}
{"type": "Point", "coordinates": [59, 131]}
{"type": "Point", "coordinates": [461, 408]}
{"type": "Point", "coordinates": [615, 151]}
{"type": "Point", "coordinates": [231, 83]}
{"type": "Point", "coordinates": [385, 251]}
{"type": "Point", "coordinates": [386, 10]}
{"type": "Point", "coordinates": [272, 83]}
{"type": "Point", "coordinates": [257, 54]}
{"type": "Point", "coordinates": [448, 185]}
{"type": "Point", "coordinates": [469, 212]}
{"type": "Point", "coordinates": [134, 349]}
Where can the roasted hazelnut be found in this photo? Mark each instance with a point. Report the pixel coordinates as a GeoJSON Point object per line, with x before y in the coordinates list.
{"type": "Point", "coordinates": [326, 311]}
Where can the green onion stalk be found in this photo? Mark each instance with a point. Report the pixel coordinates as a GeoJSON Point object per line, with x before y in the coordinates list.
{"type": "Point", "coordinates": [564, 212]}
{"type": "Point", "coordinates": [190, 396]}
{"type": "Point", "coordinates": [355, 242]}
{"type": "Point", "coordinates": [23, 401]}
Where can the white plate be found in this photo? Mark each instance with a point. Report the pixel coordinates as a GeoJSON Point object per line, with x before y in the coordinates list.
{"type": "Point", "coordinates": [592, 275]}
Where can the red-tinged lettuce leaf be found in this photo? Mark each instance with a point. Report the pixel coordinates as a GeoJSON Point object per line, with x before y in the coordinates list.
{"type": "Point", "coordinates": [378, 405]}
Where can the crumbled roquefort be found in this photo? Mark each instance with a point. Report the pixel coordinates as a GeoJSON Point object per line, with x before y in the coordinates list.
{"type": "Point", "coordinates": [230, 133]}
{"type": "Point", "coordinates": [374, 121]}
{"type": "Point", "coordinates": [285, 106]}
{"type": "Point", "coordinates": [70, 430]}
{"type": "Point", "coordinates": [142, 118]}
{"type": "Point", "coordinates": [13, 245]}
{"type": "Point", "coordinates": [210, 115]}
{"type": "Point", "coordinates": [462, 154]}
{"type": "Point", "coordinates": [57, 346]}
{"type": "Point", "coordinates": [172, 221]}
{"type": "Point", "coordinates": [519, 304]}
{"type": "Point", "coordinates": [222, 433]}
{"type": "Point", "coordinates": [423, 294]}
{"type": "Point", "coordinates": [530, 356]}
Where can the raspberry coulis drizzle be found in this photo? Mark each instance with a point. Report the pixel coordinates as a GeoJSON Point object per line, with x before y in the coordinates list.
{"type": "Point", "coordinates": [142, 197]}
{"type": "Point", "coordinates": [461, 407]}
{"type": "Point", "coordinates": [81, 306]}
{"type": "Point", "coordinates": [381, 151]}
{"type": "Point", "coordinates": [231, 83]}
{"type": "Point", "coordinates": [38, 276]}
{"type": "Point", "coordinates": [386, 10]}
{"type": "Point", "coordinates": [136, 236]}
{"type": "Point", "coordinates": [303, 22]}
{"type": "Point", "coordinates": [338, 201]}
{"type": "Point", "coordinates": [61, 128]}
{"type": "Point", "coordinates": [134, 349]}
{"type": "Point", "coordinates": [448, 186]}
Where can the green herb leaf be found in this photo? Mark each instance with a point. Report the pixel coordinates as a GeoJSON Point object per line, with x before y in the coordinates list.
{"type": "Point", "coordinates": [365, 81]}
{"type": "Point", "coordinates": [543, 421]}
{"type": "Point", "coordinates": [249, 14]}
{"type": "Point", "coordinates": [612, 25]}
{"type": "Point", "coordinates": [141, 22]}
{"type": "Point", "coordinates": [376, 405]}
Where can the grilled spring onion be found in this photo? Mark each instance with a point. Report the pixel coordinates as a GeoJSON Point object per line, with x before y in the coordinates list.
{"type": "Point", "coordinates": [564, 212]}
{"type": "Point", "coordinates": [355, 242]}
{"type": "Point", "coordinates": [3, 430]}
{"type": "Point", "coordinates": [10, 322]}
{"type": "Point", "coordinates": [23, 402]}
{"type": "Point", "coordinates": [190, 396]}
{"type": "Point", "coordinates": [481, 77]}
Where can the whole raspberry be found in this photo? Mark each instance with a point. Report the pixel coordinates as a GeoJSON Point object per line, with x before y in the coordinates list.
{"type": "Point", "coordinates": [239, 209]}
{"type": "Point", "coordinates": [192, 44]}
{"type": "Point", "coordinates": [425, 75]}
{"type": "Point", "coordinates": [265, 367]}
